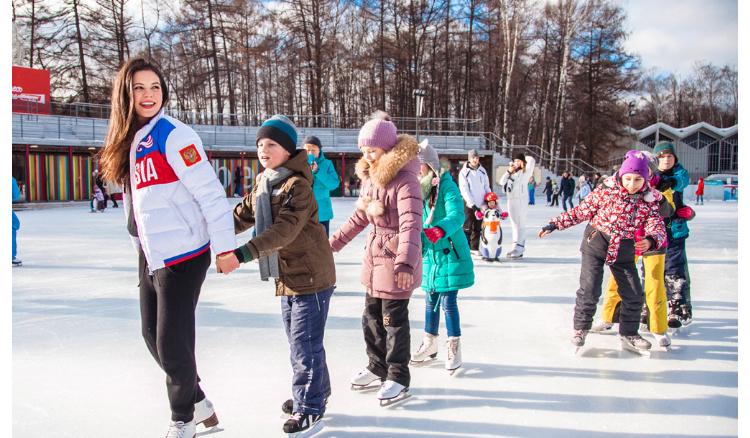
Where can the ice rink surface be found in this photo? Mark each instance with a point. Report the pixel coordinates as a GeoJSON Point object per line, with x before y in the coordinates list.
{"type": "Point", "coordinates": [81, 368]}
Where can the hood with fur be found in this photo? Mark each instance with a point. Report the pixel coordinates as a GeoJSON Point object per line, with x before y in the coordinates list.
{"type": "Point", "coordinates": [401, 157]}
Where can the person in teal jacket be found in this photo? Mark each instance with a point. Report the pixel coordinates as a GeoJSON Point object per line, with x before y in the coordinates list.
{"type": "Point", "coordinates": [672, 175]}
{"type": "Point", "coordinates": [447, 265]}
{"type": "Point", "coordinates": [326, 179]}
{"type": "Point", "coordinates": [16, 222]}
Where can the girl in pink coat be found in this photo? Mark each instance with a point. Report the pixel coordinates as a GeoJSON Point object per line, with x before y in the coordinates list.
{"type": "Point", "coordinates": [391, 200]}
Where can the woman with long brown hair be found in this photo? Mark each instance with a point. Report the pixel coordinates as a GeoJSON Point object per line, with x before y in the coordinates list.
{"type": "Point", "coordinates": [176, 211]}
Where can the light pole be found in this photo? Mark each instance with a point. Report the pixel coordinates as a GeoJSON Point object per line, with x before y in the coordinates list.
{"type": "Point", "coordinates": [419, 95]}
{"type": "Point", "coordinates": [631, 113]}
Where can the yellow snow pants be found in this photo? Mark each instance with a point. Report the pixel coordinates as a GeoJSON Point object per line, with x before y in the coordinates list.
{"type": "Point", "coordinates": [656, 294]}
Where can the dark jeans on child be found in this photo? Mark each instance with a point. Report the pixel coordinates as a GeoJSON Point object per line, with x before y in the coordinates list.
{"type": "Point", "coordinates": [567, 199]}
{"type": "Point", "coordinates": [326, 224]}
{"type": "Point", "coordinates": [433, 302]}
{"type": "Point", "coordinates": [676, 278]}
{"type": "Point", "coordinates": [385, 324]}
{"type": "Point", "coordinates": [305, 322]}
{"type": "Point", "coordinates": [168, 299]}
{"type": "Point", "coordinates": [593, 254]}
{"type": "Point", "coordinates": [472, 228]}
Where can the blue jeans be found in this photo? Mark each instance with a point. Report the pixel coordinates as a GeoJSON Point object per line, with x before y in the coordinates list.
{"type": "Point", "coordinates": [16, 226]}
{"type": "Point", "coordinates": [532, 197]}
{"type": "Point", "coordinates": [304, 322]}
{"type": "Point", "coordinates": [432, 313]}
{"type": "Point", "coordinates": [15, 247]}
{"type": "Point", "coordinates": [567, 198]}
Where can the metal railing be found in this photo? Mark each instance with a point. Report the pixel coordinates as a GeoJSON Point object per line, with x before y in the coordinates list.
{"type": "Point", "coordinates": [88, 122]}
{"type": "Point", "coordinates": [698, 162]}
{"type": "Point", "coordinates": [206, 117]}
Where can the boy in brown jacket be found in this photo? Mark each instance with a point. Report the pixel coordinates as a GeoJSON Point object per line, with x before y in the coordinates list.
{"type": "Point", "coordinates": [291, 246]}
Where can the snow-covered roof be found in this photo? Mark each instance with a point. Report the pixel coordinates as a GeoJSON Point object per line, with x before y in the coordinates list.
{"type": "Point", "coordinates": [680, 133]}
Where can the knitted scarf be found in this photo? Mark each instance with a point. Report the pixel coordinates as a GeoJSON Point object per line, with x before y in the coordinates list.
{"type": "Point", "coordinates": [269, 264]}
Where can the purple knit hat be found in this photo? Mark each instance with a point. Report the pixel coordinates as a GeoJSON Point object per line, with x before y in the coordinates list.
{"type": "Point", "coordinates": [379, 132]}
{"type": "Point", "coordinates": [635, 162]}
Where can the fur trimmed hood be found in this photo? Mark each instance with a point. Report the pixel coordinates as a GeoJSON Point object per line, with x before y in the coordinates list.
{"type": "Point", "coordinates": [402, 156]}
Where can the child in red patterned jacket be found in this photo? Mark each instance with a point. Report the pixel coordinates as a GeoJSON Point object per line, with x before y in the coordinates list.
{"type": "Point", "coordinates": [615, 213]}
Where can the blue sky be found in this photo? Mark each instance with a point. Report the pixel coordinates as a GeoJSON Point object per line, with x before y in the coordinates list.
{"type": "Point", "coordinates": [671, 35]}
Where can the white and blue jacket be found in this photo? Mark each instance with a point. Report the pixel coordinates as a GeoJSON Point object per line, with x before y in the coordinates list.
{"type": "Point", "coordinates": [180, 208]}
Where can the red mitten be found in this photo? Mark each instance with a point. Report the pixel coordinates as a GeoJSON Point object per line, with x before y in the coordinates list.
{"type": "Point", "coordinates": [504, 215]}
{"type": "Point", "coordinates": [478, 214]}
{"type": "Point", "coordinates": [685, 212]}
{"type": "Point", "coordinates": [434, 234]}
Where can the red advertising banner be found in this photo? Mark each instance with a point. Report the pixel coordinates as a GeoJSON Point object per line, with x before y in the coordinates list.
{"type": "Point", "coordinates": [31, 90]}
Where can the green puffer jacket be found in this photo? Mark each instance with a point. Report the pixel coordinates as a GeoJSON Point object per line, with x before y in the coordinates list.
{"type": "Point", "coordinates": [447, 264]}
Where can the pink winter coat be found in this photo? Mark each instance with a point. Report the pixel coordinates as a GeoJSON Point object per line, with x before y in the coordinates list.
{"type": "Point", "coordinates": [390, 200]}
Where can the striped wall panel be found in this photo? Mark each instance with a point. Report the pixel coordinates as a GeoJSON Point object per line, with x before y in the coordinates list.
{"type": "Point", "coordinates": [224, 168]}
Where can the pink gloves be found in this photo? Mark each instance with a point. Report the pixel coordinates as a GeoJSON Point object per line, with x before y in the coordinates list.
{"type": "Point", "coordinates": [685, 212]}
{"type": "Point", "coordinates": [434, 234]}
{"type": "Point", "coordinates": [478, 214]}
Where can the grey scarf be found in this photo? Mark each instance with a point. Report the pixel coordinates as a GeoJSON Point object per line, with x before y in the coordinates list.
{"type": "Point", "coordinates": [269, 264]}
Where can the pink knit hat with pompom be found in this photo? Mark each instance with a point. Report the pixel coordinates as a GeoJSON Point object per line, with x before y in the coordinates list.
{"type": "Point", "coordinates": [379, 132]}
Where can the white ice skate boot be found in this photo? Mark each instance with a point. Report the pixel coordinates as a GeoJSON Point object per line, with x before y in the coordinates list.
{"type": "Point", "coordinates": [517, 252]}
{"type": "Point", "coordinates": [663, 341]}
{"type": "Point", "coordinates": [204, 414]}
{"type": "Point", "coordinates": [453, 347]}
{"type": "Point", "coordinates": [601, 326]}
{"type": "Point", "coordinates": [426, 351]}
{"type": "Point", "coordinates": [364, 379]}
{"type": "Point", "coordinates": [391, 392]}
{"type": "Point", "coordinates": [180, 429]}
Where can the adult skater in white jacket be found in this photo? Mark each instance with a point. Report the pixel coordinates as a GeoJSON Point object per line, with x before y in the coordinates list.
{"type": "Point", "coordinates": [473, 183]}
{"type": "Point", "coordinates": [515, 182]}
{"type": "Point", "coordinates": [176, 212]}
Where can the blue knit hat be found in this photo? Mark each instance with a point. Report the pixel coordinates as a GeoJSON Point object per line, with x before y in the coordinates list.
{"type": "Point", "coordinates": [665, 147]}
{"type": "Point", "coordinates": [281, 130]}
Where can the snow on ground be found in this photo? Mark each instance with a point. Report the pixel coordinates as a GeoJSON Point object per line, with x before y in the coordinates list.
{"type": "Point", "coordinates": [81, 369]}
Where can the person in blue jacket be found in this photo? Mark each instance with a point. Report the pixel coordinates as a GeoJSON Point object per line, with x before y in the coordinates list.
{"type": "Point", "coordinates": [326, 179]}
{"type": "Point", "coordinates": [676, 276]}
{"type": "Point", "coordinates": [16, 222]}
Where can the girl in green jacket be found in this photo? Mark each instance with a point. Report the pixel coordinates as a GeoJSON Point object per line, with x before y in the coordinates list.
{"type": "Point", "coordinates": [447, 264]}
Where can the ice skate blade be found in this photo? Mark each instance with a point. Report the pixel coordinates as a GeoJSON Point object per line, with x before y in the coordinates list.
{"type": "Point", "coordinates": [211, 431]}
{"type": "Point", "coordinates": [455, 372]}
{"type": "Point", "coordinates": [419, 363]}
{"type": "Point", "coordinates": [609, 331]}
{"type": "Point", "coordinates": [365, 388]}
{"type": "Point", "coordinates": [388, 402]}
{"type": "Point", "coordinates": [311, 431]}
{"type": "Point", "coordinates": [644, 353]}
